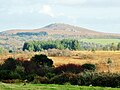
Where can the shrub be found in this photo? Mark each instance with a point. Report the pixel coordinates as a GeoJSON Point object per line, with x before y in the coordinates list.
{"type": "Point", "coordinates": [66, 53]}
{"type": "Point", "coordinates": [4, 74]}
{"type": "Point", "coordinates": [65, 78]}
{"type": "Point", "coordinates": [57, 52]}
{"type": "Point", "coordinates": [42, 60]}
{"type": "Point", "coordinates": [73, 68]}
{"type": "Point", "coordinates": [12, 81]}
{"type": "Point", "coordinates": [107, 80]}
{"type": "Point", "coordinates": [49, 72]}
{"type": "Point", "coordinates": [14, 75]}
{"type": "Point", "coordinates": [9, 64]}
{"type": "Point", "coordinates": [30, 77]}
{"type": "Point", "coordinates": [89, 66]}
{"type": "Point", "coordinates": [45, 71]}
{"type": "Point", "coordinates": [85, 78]}
{"type": "Point", "coordinates": [39, 79]}
{"type": "Point", "coordinates": [54, 52]}
{"type": "Point", "coordinates": [29, 67]}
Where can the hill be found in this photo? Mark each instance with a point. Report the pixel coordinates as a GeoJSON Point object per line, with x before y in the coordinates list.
{"type": "Point", "coordinates": [16, 38]}
{"type": "Point", "coordinates": [64, 29]}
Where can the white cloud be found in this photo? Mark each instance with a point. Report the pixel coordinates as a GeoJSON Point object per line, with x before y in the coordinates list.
{"type": "Point", "coordinates": [60, 14]}
{"type": "Point", "coordinates": [70, 2]}
{"type": "Point", "coordinates": [46, 9]}
{"type": "Point", "coordinates": [73, 1]}
{"type": "Point", "coordinates": [82, 12]}
{"type": "Point", "coordinates": [87, 3]}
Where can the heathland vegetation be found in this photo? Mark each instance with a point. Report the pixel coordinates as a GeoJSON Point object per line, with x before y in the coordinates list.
{"type": "Point", "coordinates": [41, 70]}
{"type": "Point", "coordinates": [55, 56]}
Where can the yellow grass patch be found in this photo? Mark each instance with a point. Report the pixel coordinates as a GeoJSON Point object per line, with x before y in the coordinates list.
{"type": "Point", "coordinates": [99, 58]}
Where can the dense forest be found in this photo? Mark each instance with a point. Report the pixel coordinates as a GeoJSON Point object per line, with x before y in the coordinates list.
{"type": "Point", "coordinates": [57, 44]}
{"type": "Point", "coordinates": [68, 44]}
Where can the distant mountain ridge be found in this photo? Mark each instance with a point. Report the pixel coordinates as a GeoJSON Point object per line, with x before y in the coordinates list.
{"type": "Point", "coordinates": [63, 29]}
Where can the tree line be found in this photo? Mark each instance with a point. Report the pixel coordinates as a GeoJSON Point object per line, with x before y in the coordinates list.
{"type": "Point", "coordinates": [63, 45]}
{"type": "Point", "coordinates": [57, 44]}
{"type": "Point", "coordinates": [68, 44]}
{"type": "Point", "coordinates": [32, 33]}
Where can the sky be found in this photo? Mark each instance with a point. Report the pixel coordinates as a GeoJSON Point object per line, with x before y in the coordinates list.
{"type": "Point", "coordinates": [98, 15]}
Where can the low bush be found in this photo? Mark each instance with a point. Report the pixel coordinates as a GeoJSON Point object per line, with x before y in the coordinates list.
{"type": "Point", "coordinates": [107, 80]}
{"type": "Point", "coordinates": [89, 66]}
{"type": "Point", "coordinates": [64, 78]}
{"type": "Point", "coordinates": [85, 78]}
{"type": "Point", "coordinates": [9, 64]}
{"type": "Point", "coordinates": [12, 81]}
{"type": "Point", "coordinates": [4, 74]}
{"type": "Point", "coordinates": [85, 56]}
{"type": "Point", "coordinates": [14, 75]}
{"type": "Point", "coordinates": [30, 77]}
{"type": "Point", "coordinates": [72, 68]}
{"type": "Point", "coordinates": [57, 52]}
{"type": "Point", "coordinates": [42, 60]}
{"type": "Point", "coordinates": [39, 79]}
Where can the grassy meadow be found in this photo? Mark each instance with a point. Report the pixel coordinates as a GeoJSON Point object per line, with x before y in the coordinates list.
{"type": "Point", "coordinates": [4, 86]}
{"type": "Point", "coordinates": [101, 41]}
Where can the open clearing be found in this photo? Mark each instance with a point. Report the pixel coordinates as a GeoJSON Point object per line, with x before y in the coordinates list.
{"type": "Point", "coordinates": [4, 86]}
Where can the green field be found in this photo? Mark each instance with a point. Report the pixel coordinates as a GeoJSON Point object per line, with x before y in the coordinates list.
{"type": "Point", "coordinates": [4, 86]}
{"type": "Point", "coordinates": [101, 41]}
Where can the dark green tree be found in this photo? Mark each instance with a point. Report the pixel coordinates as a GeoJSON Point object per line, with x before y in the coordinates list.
{"type": "Point", "coordinates": [118, 46]}
{"type": "Point", "coordinates": [58, 44]}
{"type": "Point", "coordinates": [88, 66]}
{"type": "Point", "coordinates": [42, 60]}
{"type": "Point", "coordinates": [28, 46]}
{"type": "Point", "coordinates": [76, 45]}
{"type": "Point", "coordinates": [112, 47]}
{"type": "Point", "coordinates": [9, 64]}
